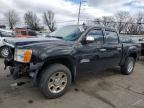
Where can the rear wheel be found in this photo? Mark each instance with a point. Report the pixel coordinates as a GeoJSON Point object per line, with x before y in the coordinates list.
{"type": "Point", "coordinates": [4, 51]}
{"type": "Point", "coordinates": [55, 80]}
{"type": "Point", "coordinates": [128, 66]}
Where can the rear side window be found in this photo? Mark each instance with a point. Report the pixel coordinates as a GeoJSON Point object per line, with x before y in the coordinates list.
{"type": "Point", "coordinates": [111, 37]}
{"type": "Point", "coordinates": [97, 34]}
{"type": "Point", "coordinates": [32, 33]}
{"type": "Point", "coordinates": [23, 33]}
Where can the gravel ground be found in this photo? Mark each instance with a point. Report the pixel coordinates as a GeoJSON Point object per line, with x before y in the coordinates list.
{"type": "Point", "coordinates": [106, 89]}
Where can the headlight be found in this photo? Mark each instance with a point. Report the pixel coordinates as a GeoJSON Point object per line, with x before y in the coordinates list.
{"type": "Point", "coordinates": [23, 55]}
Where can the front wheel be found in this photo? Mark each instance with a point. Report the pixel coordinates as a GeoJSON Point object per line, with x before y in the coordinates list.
{"type": "Point", "coordinates": [128, 66]}
{"type": "Point", "coordinates": [55, 80]}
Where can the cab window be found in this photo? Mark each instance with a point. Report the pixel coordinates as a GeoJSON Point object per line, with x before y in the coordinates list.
{"type": "Point", "coordinates": [32, 33]}
{"type": "Point", "coordinates": [111, 37]}
{"type": "Point", "coordinates": [97, 34]}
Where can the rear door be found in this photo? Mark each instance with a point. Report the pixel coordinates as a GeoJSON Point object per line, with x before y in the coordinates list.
{"type": "Point", "coordinates": [112, 48]}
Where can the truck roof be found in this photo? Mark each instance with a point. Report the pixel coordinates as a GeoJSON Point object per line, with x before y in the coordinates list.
{"type": "Point", "coordinates": [102, 27]}
{"type": "Point", "coordinates": [3, 30]}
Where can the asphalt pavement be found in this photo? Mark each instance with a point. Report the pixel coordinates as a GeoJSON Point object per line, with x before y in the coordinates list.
{"type": "Point", "coordinates": [105, 89]}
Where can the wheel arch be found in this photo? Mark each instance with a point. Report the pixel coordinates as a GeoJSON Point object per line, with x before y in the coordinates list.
{"type": "Point", "coordinates": [67, 61]}
{"type": "Point", "coordinates": [2, 46]}
{"type": "Point", "coordinates": [133, 52]}
{"type": "Point", "coordinates": [134, 55]}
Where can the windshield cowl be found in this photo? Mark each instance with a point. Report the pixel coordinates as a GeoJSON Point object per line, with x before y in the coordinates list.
{"type": "Point", "coordinates": [54, 37]}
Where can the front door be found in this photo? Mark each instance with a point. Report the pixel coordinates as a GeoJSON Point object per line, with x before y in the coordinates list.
{"type": "Point", "coordinates": [88, 54]}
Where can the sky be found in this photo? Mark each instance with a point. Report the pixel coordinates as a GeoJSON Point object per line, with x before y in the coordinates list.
{"type": "Point", "coordinates": [66, 11]}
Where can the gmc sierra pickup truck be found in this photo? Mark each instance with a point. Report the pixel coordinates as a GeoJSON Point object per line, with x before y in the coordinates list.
{"type": "Point", "coordinates": [54, 61]}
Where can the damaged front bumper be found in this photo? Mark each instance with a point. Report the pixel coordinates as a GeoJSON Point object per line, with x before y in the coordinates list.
{"type": "Point", "coordinates": [18, 70]}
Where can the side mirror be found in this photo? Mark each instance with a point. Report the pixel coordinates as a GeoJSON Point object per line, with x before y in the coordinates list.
{"type": "Point", "coordinates": [90, 39]}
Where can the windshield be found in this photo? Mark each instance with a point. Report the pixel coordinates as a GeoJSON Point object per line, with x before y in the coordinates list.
{"type": "Point", "coordinates": [69, 33]}
{"type": "Point", "coordinates": [6, 34]}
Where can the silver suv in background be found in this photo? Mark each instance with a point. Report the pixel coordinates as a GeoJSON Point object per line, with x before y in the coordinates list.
{"type": "Point", "coordinates": [4, 34]}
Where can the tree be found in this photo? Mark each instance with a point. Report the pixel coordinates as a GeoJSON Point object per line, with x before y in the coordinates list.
{"type": "Point", "coordinates": [49, 20]}
{"type": "Point", "coordinates": [108, 21]}
{"type": "Point", "coordinates": [139, 21]}
{"type": "Point", "coordinates": [131, 27]}
{"type": "Point", "coordinates": [135, 26]}
{"type": "Point", "coordinates": [32, 20]}
{"type": "Point", "coordinates": [122, 20]}
{"type": "Point", "coordinates": [12, 18]}
{"type": "Point", "coordinates": [97, 22]}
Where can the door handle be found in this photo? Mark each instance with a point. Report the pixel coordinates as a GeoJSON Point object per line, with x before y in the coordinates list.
{"type": "Point", "coordinates": [102, 50]}
{"type": "Point", "coordinates": [118, 49]}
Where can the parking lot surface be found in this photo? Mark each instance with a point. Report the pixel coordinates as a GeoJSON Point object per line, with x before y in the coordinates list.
{"type": "Point", "coordinates": [106, 89]}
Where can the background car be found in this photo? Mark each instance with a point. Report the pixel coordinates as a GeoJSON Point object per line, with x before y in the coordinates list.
{"type": "Point", "coordinates": [23, 32]}
{"type": "Point", "coordinates": [4, 34]}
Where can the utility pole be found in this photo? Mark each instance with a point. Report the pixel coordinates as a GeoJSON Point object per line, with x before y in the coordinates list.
{"type": "Point", "coordinates": [79, 12]}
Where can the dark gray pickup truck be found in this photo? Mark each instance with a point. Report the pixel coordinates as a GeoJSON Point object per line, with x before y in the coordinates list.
{"type": "Point", "coordinates": [54, 61]}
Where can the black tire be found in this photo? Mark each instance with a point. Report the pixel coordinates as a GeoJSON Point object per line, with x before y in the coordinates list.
{"type": "Point", "coordinates": [125, 69]}
{"type": "Point", "coordinates": [4, 54]}
{"type": "Point", "coordinates": [46, 75]}
{"type": "Point", "coordinates": [11, 69]}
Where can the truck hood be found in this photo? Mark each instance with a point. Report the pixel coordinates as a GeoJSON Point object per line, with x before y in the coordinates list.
{"type": "Point", "coordinates": [42, 47]}
{"type": "Point", "coordinates": [17, 42]}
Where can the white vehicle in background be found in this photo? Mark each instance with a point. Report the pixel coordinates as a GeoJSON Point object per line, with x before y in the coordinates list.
{"type": "Point", "coordinates": [4, 34]}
